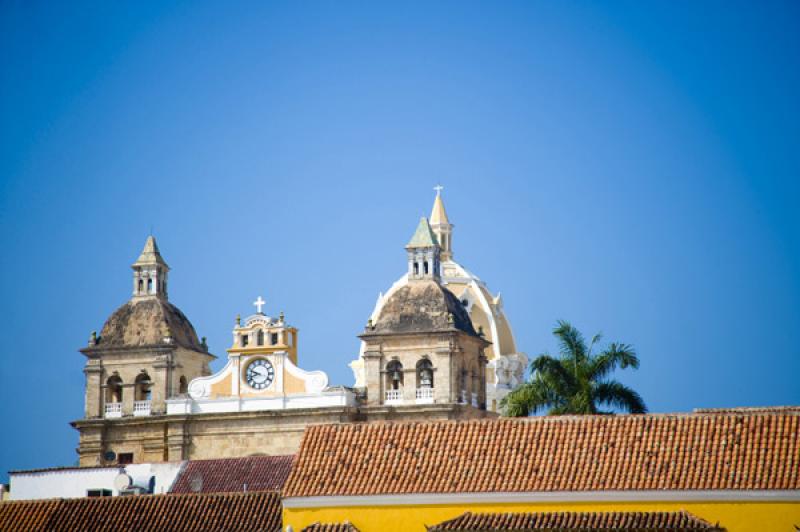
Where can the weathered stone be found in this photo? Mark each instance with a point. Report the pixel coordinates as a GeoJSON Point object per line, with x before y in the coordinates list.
{"type": "Point", "coordinates": [146, 321]}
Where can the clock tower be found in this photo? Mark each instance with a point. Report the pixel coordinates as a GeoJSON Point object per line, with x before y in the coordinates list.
{"type": "Point", "coordinates": [261, 371]}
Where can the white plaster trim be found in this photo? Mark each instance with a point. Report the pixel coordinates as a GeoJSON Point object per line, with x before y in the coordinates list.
{"type": "Point", "coordinates": [201, 386]}
{"type": "Point", "coordinates": [315, 381]}
{"type": "Point", "coordinates": [422, 499]}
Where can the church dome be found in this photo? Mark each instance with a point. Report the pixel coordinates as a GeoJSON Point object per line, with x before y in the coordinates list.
{"type": "Point", "coordinates": [145, 322]}
{"type": "Point", "coordinates": [422, 306]}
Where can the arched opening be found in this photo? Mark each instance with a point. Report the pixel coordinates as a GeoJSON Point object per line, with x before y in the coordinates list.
{"type": "Point", "coordinates": [394, 375]}
{"type": "Point", "coordinates": [425, 267]}
{"type": "Point", "coordinates": [114, 389]}
{"type": "Point", "coordinates": [149, 286]}
{"type": "Point", "coordinates": [141, 285]}
{"type": "Point", "coordinates": [183, 386]}
{"type": "Point", "coordinates": [260, 337]}
{"type": "Point", "coordinates": [416, 268]}
{"type": "Point", "coordinates": [142, 386]}
{"type": "Point", "coordinates": [424, 373]}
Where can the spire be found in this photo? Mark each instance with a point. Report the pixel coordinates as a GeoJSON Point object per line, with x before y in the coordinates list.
{"type": "Point", "coordinates": [150, 272]}
{"type": "Point", "coordinates": [423, 236]}
{"type": "Point", "coordinates": [441, 226]}
{"type": "Point", "coordinates": [150, 254]}
{"type": "Point", "coordinates": [423, 253]}
{"type": "Point", "coordinates": [438, 214]}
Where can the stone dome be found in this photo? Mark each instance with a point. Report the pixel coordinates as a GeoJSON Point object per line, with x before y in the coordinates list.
{"type": "Point", "coordinates": [144, 322]}
{"type": "Point", "coordinates": [422, 306]}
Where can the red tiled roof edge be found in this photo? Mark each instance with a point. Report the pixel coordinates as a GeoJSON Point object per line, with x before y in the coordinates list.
{"type": "Point", "coordinates": [744, 451]}
{"type": "Point", "coordinates": [175, 512]}
{"type": "Point", "coordinates": [228, 475]}
{"type": "Point", "coordinates": [583, 521]}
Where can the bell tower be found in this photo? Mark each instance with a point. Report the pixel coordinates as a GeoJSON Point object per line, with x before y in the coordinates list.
{"type": "Point", "coordinates": [150, 272]}
{"type": "Point", "coordinates": [423, 254]}
{"type": "Point", "coordinates": [145, 355]}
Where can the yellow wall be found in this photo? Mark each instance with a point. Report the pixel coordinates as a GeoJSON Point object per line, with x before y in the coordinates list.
{"type": "Point", "coordinates": [733, 516]}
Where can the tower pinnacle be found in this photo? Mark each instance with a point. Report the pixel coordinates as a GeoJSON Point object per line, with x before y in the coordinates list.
{"type": "Point", "coordinates": [441, 226]}
{"type": "Point", "coordinates": [150, 271]}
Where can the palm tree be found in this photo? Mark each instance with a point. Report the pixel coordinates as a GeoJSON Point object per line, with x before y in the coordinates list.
{"type": "Point", "coordinates": [576, 383]}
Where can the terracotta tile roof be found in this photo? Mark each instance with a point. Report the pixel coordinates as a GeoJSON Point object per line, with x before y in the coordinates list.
{"type": "Point", "coordinates": [749, 410]}
{"type": "Point", "coordinates": [578, 521]}
{"type": "Point", "coordinates": [26, 515]}
{"type": "Point", "coordinates": [330, 527]}
{"type": "Point", "coordinates": [258, 473]}
{"type": "Point", "coordinates": [574, 453]}
{"type": "Point", "coordinates": [209, 512]}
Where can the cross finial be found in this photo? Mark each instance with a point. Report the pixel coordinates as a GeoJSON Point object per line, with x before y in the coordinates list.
{"type": "Point", "coordinates": [438, 189]}
{"type": "Point", "coordinates": [259, 303]}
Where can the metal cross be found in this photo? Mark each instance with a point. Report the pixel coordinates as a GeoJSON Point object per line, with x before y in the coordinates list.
{"type": "Point", "coordinates": [259, 303]}
{"type": "Point", "coordinates": [438, 189]}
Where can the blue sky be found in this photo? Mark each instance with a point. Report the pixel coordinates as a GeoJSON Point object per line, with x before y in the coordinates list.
{"type": "Point", "coordinates": [632, 167]}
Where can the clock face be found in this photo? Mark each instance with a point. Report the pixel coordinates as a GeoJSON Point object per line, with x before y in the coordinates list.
{"type": "Point", "coordinates": [260, 374]}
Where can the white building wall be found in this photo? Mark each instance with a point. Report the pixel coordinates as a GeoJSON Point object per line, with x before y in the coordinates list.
{"type": "Point", "coordinates": [75, 482]}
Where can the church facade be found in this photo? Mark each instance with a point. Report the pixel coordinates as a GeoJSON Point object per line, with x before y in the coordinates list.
{"type": "Point", "coordinates": [151, 396]}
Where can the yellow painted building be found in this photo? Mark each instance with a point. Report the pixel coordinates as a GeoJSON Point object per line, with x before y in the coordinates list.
{"type": "Point", "coordinates": [734, 516]}
{"type": "Point", "coordinates": [739, 469]}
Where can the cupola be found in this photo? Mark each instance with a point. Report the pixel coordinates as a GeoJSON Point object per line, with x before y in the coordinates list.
{"type": "Point", "coordinates": [423, 254]}
{"type": "Point", "coordinates": [150, 272]}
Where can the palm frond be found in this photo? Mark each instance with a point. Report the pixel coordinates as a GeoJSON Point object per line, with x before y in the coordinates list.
{"type": "Point", "coordinates": [571, 340]}
{"type": "Point", "coordinates": [617, 395]}
{"type": "Point", "coordinates": [615, 355]}
{"type": "Point", "coordinates": [553, 370]}
{"type": "Point", "coordinates": [526, 400]}
{"type": "Point", "coordinates": [595, 340]}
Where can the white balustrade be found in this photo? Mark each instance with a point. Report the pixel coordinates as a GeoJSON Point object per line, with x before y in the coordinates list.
{"type": "Point", "coordinates": [394, 396]}
{"type": "Point", "coordinates": [424, 395]}
{"type": "Point", "coordinates": [113, 409]}
{"type": "Point", "coordinates": [141, 408]}
{"type": "Point", "coordinates": [475, 400]}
